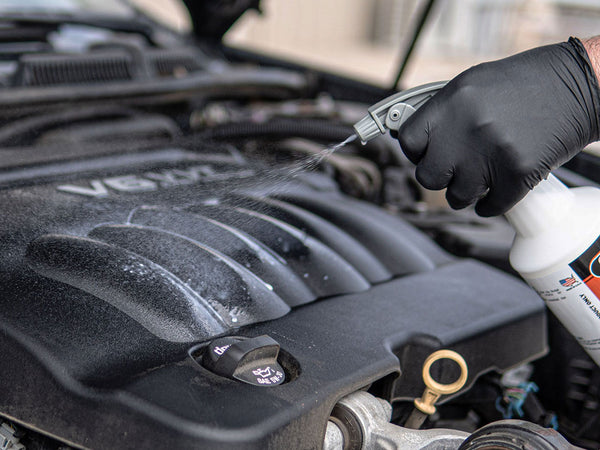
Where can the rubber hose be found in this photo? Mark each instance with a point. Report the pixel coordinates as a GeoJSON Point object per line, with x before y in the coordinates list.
{"type": "Point", "coordinates": [315, 129]}
{"type": "Point", "coordinates": [281, 128]}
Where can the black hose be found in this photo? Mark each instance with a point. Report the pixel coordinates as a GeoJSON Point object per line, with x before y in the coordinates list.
{"type": "Point", "coordinates": [280, 128]}
{"type": "Point", "coordinates": [232, 83]}
{"type": "Point", "coordinates": [25, 131]}
{"type": "Point", "coordinates": [380, 150]}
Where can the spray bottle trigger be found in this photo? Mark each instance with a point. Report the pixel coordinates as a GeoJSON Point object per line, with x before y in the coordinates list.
{"type": "Point", "coordinates": [392, 111]}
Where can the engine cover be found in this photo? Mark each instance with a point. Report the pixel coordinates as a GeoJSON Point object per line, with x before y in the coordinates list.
{"type": "Point", "coordinates": [117, 272]}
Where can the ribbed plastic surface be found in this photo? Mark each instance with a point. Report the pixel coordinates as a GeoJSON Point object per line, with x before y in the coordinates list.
{"type": "Point", "coordinates": [230, 262]}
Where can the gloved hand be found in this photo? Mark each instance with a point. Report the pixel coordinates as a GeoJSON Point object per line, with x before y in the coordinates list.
{"type": "Point", "coordinates": [496, 130]}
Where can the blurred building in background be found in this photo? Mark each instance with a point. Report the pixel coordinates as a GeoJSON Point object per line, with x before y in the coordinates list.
{"type": "Point", "coordinates": [365, 38]}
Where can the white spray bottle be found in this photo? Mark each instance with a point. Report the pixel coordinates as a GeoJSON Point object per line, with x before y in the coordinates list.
{"type": "Point", "coordinates": [557, 251]}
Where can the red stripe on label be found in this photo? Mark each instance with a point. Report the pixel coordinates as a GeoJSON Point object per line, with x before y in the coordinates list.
{"type": "Point", "coordinates": [594, 284]}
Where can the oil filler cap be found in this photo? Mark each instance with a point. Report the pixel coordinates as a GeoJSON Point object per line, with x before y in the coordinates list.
{"type": "Point", "coordinates": [251, 360]}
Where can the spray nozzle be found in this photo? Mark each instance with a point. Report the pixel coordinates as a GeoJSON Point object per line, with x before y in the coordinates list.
{"type": "Point", "coordinates": [391, 112]}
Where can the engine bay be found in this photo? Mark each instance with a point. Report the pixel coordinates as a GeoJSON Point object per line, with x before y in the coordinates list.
{"type": "Point", "coordinates": [184, 266]}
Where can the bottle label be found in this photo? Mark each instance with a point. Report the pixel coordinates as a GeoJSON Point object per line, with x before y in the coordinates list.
{"type": "Point", "coordinates": [573, 295]}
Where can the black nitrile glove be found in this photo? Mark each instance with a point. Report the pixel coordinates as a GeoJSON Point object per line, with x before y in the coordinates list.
{"type": "Point", "coordinates": [501, 127]}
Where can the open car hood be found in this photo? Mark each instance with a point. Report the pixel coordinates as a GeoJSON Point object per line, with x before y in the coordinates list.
{"type": "Point", "coordinates": [212, 19]}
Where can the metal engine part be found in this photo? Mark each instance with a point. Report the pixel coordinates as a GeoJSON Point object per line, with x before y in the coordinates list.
{"type": "Point", "coordinates": [516, 435]}
{"type": "Point", "coordinates": [362, 421]}
{"type": "Point", "coordinates": [376, 432]}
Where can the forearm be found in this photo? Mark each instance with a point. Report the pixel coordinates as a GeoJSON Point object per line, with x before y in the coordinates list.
{"type": "Point", "coordinates": [592, 47]}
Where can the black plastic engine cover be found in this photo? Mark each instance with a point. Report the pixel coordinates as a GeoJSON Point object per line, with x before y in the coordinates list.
{"type": "Point", "coordinates": [114, 268]}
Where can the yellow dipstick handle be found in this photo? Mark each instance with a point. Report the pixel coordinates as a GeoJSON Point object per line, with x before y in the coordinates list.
{"type": "Point", "coordinates": [434, 390]}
